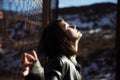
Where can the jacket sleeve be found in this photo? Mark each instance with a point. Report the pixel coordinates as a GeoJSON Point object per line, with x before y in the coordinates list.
{"type": "Point", "coordinates": [54, 70]}
{"type": "Point", "coordinates": [37, 72]}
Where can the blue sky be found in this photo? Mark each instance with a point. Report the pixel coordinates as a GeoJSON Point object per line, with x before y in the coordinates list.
{"type": "Point", "coordinates": [68, 3]}
{"type": "Point", "coordinates": [22, 5]}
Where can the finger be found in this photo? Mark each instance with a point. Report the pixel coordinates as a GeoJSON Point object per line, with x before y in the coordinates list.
{"type": "Point", "coordinates": [25, 58]}
{"type": "Point", "coordinates": [30, 57]}
{"type": "Point", "coordinates": [34, 54]}
{"type": "Point", "coordinates": [26, 71]}
{"type": "Point", "coordinates": [25, 63]}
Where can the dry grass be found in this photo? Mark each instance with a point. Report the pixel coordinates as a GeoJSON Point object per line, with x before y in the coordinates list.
{"type": "Point", "coordinates": [90, 46]}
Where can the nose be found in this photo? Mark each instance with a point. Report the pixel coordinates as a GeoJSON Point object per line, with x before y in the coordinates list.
{"type": "Point", "coordinates": [74, 26]}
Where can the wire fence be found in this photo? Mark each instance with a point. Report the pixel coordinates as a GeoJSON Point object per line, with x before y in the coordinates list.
{"type": "Point", "coordinates": [21, 23]}
{"type": "Point", "coordinates": [21, 20]}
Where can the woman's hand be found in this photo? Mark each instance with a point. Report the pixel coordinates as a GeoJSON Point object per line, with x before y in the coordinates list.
{"type": "Point", "coordinates": [28, 62]}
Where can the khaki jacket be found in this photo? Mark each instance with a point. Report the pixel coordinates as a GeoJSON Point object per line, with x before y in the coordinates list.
{"type": "Point", "coordinates": [58, 68]}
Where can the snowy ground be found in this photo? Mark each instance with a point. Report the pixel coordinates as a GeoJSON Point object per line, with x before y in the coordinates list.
{"type": "Point", "coordinates": [97, 47]}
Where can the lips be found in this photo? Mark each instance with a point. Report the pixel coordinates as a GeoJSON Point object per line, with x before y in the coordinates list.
{"type": "Point", "coordinates": [77, 31]}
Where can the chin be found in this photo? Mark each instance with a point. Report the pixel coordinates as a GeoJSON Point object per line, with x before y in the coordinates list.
{"type": "Point", "coordinates": [80, 34]}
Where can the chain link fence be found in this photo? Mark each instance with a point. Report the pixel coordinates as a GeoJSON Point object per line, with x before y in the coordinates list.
{"type": "Point", "coordinates": [21, 20]}
{"type": "Point", "coordinates": [21, 23]}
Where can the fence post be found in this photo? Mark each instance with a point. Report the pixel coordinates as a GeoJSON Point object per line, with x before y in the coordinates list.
{"type": "Point", "coordinates": [46, 12]}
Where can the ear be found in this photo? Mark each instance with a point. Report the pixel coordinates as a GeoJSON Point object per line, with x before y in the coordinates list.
{"type": "Point", "coordinates": [34, 54]}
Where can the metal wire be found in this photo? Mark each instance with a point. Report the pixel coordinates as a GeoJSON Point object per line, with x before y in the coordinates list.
{"type": "Point", "coordinates": [23, 18]}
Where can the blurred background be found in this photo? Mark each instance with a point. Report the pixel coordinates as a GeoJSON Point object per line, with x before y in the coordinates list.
{"type": "Point", "coordinates": [22, 21]}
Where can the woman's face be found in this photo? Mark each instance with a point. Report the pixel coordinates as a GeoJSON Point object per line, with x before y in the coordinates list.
{"type": "Point", "coordinates": [71, 31]}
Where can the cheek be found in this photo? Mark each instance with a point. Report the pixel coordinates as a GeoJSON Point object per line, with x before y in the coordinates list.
{"type": "Point", "coordinates": [73, 35]}
{"type": "Point", "coordinates": [70, 33]}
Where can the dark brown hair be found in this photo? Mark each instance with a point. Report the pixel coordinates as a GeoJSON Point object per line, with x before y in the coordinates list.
{"type": "Point", "coordinates": [54, 41]}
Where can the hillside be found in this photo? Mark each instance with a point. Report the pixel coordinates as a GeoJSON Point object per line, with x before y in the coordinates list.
{"type": "Point", "coordinates": [100, 15]}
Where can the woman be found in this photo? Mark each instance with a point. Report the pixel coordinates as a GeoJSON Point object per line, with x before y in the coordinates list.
{"type": "Point", "coordinates": [59, 42]}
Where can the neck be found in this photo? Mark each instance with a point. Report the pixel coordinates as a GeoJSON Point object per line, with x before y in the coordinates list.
{"type": "Point", "coordinates": [75, 46]}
